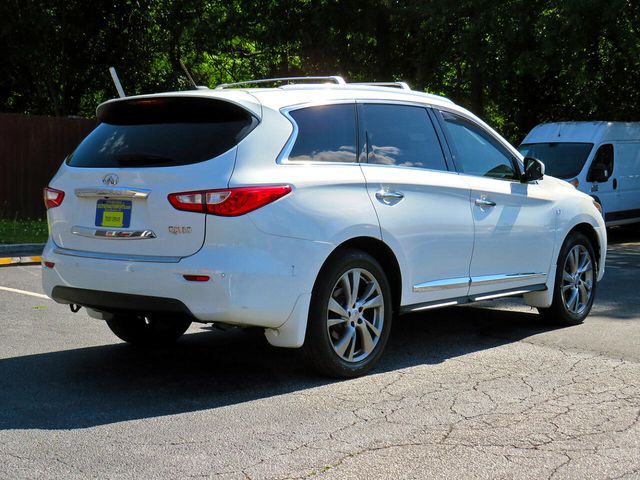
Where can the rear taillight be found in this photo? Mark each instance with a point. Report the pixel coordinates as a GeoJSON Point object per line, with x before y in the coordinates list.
{"type": "Point", "coordinates": [228, 202]}
{"type": "Point", "coordinates": [52, 197]}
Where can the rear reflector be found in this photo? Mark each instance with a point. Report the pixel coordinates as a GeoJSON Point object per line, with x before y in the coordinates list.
{"type": "Point", "coordinates": [52, 197]}
{"type": "Point", "coordinates": [196, 278]}
{"type": "Point", "coordinates": [49, 264]}
{"type": "Point", "coordinates": [228, 202]}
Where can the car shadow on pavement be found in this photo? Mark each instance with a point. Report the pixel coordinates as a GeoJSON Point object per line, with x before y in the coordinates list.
{"type": "Point", "coordinates": [208, 369]}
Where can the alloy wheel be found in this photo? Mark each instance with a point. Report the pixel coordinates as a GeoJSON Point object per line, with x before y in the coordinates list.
{"type": "Point", "coordinates": [577, 280]}
{"type": "Point", "coordinates": [355, 315]}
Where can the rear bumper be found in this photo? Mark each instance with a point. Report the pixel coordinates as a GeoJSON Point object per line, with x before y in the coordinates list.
{"type": "Point", "coordinates": [119, 302]}
{"type": "Point", "coordinates": [255, 284]}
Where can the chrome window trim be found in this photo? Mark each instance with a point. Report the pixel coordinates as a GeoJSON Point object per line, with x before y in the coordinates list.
{"type": "Point", "coordinates": [113, 256]}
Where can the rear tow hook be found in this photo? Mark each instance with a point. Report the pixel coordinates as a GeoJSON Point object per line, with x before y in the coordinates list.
{"type": "Point", "coordinates": [74, 308]}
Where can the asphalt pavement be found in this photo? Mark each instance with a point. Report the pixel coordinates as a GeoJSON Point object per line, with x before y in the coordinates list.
{"type": "Point", "coordinates": [488, 391]}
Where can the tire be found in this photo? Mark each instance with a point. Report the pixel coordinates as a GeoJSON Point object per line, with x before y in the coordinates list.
{"type": "Point", "coordinates": [575, 285]}
{"type": "Point", "coordinates": [346, 337]}
{"type": "Point", "coordinates": [148, 331]}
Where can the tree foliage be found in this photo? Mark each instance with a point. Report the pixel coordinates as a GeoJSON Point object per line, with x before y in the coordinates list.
{"type": "Point", "coordinates": [514, 62]}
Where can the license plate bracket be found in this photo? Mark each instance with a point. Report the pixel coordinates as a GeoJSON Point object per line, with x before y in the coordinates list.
{"type": "Point", "coordinates": [113, 213]}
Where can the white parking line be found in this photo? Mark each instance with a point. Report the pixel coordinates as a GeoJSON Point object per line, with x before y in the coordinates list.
{"type": "Point", "coordinates": [24, 292]}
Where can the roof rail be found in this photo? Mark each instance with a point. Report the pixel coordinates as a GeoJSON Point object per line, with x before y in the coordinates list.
{"type": "Point", "coordinates": [402, 85]}
{"type": "Point", "coordinates": [335, 78]}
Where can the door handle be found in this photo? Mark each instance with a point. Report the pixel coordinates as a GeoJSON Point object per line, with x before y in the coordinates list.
{"type": "Point", "coordinates": [483, 202]}
{"type": "Point", "coordinates": [388, 197]}
{"type": "Point", "coordinates": [615, 183]}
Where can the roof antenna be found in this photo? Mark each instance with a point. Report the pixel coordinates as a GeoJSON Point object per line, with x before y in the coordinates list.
{"type": "Point", "coordinates": [116, 82]}
{"type": "Point", "coordinates": [191, 81]}
{"type": "Point", "coordinates": [186, 72]}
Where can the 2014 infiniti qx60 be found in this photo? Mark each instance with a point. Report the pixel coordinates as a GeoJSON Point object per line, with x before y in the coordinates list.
{"type": "Point", "coordinates": [315, 211]}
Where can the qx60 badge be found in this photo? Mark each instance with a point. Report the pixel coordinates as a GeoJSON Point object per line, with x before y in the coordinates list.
{"type": "Point", "coordinates": [110, 179]}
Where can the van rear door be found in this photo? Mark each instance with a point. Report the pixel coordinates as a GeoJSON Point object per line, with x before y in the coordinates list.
{"type": "Point", "coordinates": [116, 183]}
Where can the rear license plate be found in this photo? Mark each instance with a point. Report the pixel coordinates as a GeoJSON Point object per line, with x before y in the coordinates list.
{"type": "Point", "coordinates": [113, 213]}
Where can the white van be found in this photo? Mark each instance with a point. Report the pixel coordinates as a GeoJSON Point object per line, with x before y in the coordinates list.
{"type": "Point", "coordinates": [600, 158]}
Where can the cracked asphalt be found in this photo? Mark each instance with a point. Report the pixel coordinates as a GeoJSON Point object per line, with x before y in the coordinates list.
{"type": "Point", "coordinates": [474, 392]}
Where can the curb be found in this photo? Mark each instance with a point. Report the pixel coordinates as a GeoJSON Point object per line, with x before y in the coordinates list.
{"type": "Point", "coordinates": [21, 254]}
{"type": "Point", "coordinates": [7, 261]}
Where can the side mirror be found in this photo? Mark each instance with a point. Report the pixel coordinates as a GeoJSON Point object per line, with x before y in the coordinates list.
{"type": "Point", "coordinates": [533, 170]}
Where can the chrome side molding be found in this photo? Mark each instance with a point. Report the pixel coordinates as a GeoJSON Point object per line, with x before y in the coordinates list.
{"type": "Point", "coordinates": [468, 299]}
{"type": "Point", "coordinates": [510, 277]}
{"type": "Point", "coordinates": [446, 284]}
{"type": "Point", "coordinates": [112, 192]}
{"type": "Point", "coordinates": [433, 305]}
{"type": "Point", "coordinates": [461, 282]}
{"type": "Point", "coordinates": [113, 234]}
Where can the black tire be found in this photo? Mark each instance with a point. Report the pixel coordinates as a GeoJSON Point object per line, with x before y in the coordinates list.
{"type": "Point", "coordinates": [559, 312]}
{"type": "Point", "coordinates": [148, 331]}
{"type": "Point", "coordinates": [320, 338]}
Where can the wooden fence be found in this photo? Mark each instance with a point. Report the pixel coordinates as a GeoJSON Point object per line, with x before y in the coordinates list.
{"type": "Point", "coordinates": [32, 149]}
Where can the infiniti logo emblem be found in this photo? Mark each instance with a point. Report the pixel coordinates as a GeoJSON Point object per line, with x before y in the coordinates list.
{"type": "Point", "coordinates": [111, 179]}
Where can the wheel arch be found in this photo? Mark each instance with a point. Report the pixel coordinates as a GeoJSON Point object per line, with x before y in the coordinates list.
{"type": "Point", "coordinates": [588, 231]}
{"type": "Point", "coordinates": [384, 255]}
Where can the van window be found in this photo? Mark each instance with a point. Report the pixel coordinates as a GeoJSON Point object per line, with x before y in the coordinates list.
{"type": "Point", "coordinates": [602, 165]}
{"type": "Point", "coordinates": [402, 135]}
{"type": "Point", "coordinates": [326, 133]}
{"type": "Point", "coordinates": [162, 132]}
{"type": "Point", "coordinates": [561, 159]}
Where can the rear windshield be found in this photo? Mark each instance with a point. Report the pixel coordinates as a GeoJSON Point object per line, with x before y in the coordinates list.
{"type": "Point", "coordinates": [165, 132]}
{"type": "Point", "coordinates": [561, 159]}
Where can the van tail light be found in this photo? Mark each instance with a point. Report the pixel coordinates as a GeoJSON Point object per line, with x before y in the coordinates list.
{"type": "Point", "coordinates": [52, 197]}
{"type": "Point", "coordinates": [228, 202]}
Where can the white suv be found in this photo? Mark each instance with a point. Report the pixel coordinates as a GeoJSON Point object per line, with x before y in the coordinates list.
{"type": "Point", "coordinates": [315, 211]}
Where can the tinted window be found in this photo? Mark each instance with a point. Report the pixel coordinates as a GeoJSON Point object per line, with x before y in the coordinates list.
{"type": "Point", "coordinates": [561, 159]}
{"type": "Point", "coordinates": [402, 135]}
{"type": "Point", "coordinates": [162, 133]}
{"type": "Point", "coordinates": [325, 134]}
{"type": "Point", "coordinates": [475, 151]}
{"type": "Point", "coordinates": [602, 165]}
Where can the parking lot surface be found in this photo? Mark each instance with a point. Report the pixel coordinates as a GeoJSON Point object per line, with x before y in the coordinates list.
{"type": "Point", "coordinates": [474, 392]}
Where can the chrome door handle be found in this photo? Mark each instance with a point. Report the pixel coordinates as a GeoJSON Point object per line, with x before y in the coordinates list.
{"type": "Point", "coordinates": [483, 202]}
{"type": "Point", "coordinates": [387, 195]}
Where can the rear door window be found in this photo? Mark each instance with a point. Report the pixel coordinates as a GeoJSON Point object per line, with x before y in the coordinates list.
{"type": "Point", "coordinates": [164, 132]}
{"type": "Point", "coordinates": [402, 135]}
{"type": "Point", "coordinates": [326, 133]}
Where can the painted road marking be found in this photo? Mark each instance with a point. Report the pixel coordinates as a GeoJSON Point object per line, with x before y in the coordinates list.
{"type": "Point", "coordinates": [18, 260]}
{"type": "Point", "coordinates": [24, 292]}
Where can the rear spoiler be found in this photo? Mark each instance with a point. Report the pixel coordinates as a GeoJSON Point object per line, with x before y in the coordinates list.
{"type": "Point", "coordinates": [188, 106]}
